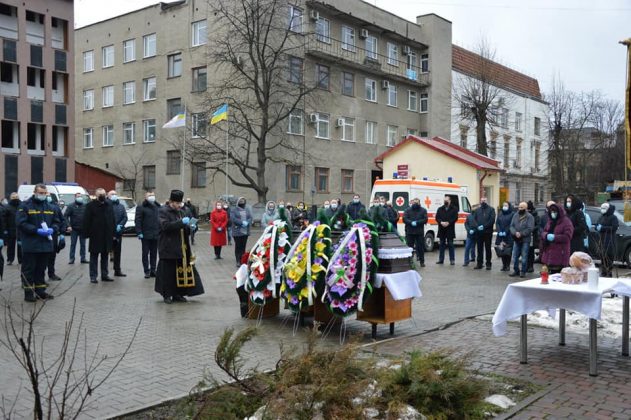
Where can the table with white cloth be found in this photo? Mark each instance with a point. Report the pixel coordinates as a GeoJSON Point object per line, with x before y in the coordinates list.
{"type": "Point", "coordinates": [525, 297]}
{"type": "Point", "coordinates": [392, 303]}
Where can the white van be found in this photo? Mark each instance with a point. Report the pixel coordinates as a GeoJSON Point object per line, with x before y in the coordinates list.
{"type": "Point", "coordinates": [431, 194]}
{"type": "Point", "coordinates": [63, 191]}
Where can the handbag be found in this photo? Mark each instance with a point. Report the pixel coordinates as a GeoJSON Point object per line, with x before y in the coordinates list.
{"type": "Point", "coordinates": [503, 249]}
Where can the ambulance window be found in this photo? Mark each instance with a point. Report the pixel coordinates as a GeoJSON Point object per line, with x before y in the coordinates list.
{"type": "Point", "coordinates": [465, 206]}
{"type": "Point", "coordinates": [383, 194]}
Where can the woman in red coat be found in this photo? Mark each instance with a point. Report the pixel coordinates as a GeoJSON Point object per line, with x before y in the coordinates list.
{"type": "Point", "coordinates": [218, 228]}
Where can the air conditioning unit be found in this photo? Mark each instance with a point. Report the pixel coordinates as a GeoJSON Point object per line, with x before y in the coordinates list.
{"type": "Point", "coordinates": [314, 15]}
{"type": "Point", "coordinates": [339, 122]}
{"type": "Point", "coordinates": [407, 50]}
{"type": "Point", "coordinates": [363, 33]}
{"type": "Point", "coordinates": [313, 118]}
{"type": "Point", "coordinates": [385, 84]}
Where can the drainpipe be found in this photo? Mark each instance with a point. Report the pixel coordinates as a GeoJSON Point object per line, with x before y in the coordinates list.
{"type": "Point", "coordinates": [481, 187]}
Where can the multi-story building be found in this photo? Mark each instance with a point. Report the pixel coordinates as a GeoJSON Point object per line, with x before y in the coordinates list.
{"type": "Point", "coordinates": [36, 109]}
{"type": "Point", "coordinates": [379, 77]}
{"type": "Point", "coordinates": [518, 136]}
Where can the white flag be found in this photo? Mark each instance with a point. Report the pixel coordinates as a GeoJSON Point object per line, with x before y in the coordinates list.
{"type": "Point", "coordinates": [178, 121]}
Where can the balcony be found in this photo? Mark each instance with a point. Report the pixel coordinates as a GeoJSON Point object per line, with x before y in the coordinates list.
{"type": "Point", "coordinates": [334, 50]}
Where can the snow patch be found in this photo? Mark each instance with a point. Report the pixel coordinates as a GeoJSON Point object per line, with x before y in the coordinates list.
{"type": "Point", "coordinates": [499, 400]}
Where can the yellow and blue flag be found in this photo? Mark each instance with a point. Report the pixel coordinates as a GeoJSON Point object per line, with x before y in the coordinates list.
{"type": "Point", "coordinates": [220, 114]}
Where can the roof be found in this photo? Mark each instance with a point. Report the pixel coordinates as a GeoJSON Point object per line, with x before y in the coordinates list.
{"type": "Point", "coordinates": [103, 171]}
{"type": "Point", "coordinates": [468, 63]}
{"type": "Point", "coordinates": [450, 149]}
{"type": "Point", "coordinates": [163, 6]}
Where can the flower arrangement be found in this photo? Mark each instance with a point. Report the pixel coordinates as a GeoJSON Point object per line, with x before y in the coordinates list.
{"type": "Point", "coordinates": [305, 266]}
{"type": "Point", "coordinates": [266, 261]}
{"type": "Point", "coordinates": [351, 270]}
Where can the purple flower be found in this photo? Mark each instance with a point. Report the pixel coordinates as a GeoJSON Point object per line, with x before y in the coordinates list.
{"type": "Point", "coordinates": [339, 289]}
{"type": "Point", "coordinates": [290, 284]}
{"type": "Point", "coordinates": [294, 300]}
{"type": "Point", "coordinates": [318, 261]}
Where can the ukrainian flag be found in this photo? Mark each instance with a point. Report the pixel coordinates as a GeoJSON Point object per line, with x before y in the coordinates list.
{"type": "Point", "coordinates": [220, 114]}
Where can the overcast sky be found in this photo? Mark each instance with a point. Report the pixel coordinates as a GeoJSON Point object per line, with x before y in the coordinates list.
{"type": "Point", "coordinates": [574, 39]}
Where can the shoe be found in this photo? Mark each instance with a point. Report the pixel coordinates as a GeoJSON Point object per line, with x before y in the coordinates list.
{"type": "Point", "coordinates": [120, 274]}
{"type": "Point", "coordinates": [514, 274]}
{"type": "Point", "coordinates": [452, 263]}
{"type": "Point", "coordinates": [477, 267]}
{"type": "Point", "coordinates": [522, 275]}
{"type": "Point", "coordinates": [465, 265]}
{"type": "Point", "coordinates": [152, 274]}
{"type": "Point", "coordinates": [488, 267]}
{"type": "Point", "coordinates": [71, 262]}
{"type": "Point", "coordinates": [94, 281]}
{"type": "Point", "coordinates": [45, 296]}
{"type": "Point", "coordinates": [422, 264]}
{"type": "Point", "coordinates": [504, 269]}
{"type": "Point", "coordinates": [168, 300]}
{"type": "Point", "coordinates": [217, 257]}
{"type": "Point", "coordinates": [530, 270]}
{"type": "Point", "coordinates": [55, 277]}
{"type": "Point", "coordinates": [178, 298]}
{"type": "Point", "coordinates": [439, 262]}
{"type": "Point", "coordinates": [107, 279]}
{"type": "Point", "coordinates": [85, 262]}
{"type": "Point", "coordinates": [30, 299]}
{"type": "Point", "coordinates": [147, 275]}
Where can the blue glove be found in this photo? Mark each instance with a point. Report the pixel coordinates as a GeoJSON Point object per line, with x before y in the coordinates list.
{"type": "Point", "coordinates": [50, 231]}
{"type": "Point", "coordinates": [480, 227]}
{"type": "Point", "coordinates": [193, 227]}
{"type": "Point", "coordinates": [42, 232]}
{"type": "Point", "coordinates": [119, 228]}
{"type": "Point", "coordinates": [140, 236]}
{"type": "Point", "coordinates": [186, 220]}
{"type": "Point", "coordinates": [471, 232]}
{"type": "Point", "coordinates": [550, 237]}
{"type": "Point", "coordinates": [62, 238]}
{"type": "Point", "coordinates": [1, 243]}
{"type": "Point", "coordinates": [244, 223]}
{"type": "Point", "coordinates": [598, 227]}
{"type": "Point", "coordinates": [414, 223]}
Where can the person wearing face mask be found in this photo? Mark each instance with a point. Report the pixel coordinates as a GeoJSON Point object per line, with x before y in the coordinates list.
{"type": "Point", "coordinates": [607, 226]}
{"type": "Point", "coordinates": [535, 237]}
{"type": "Point", "coordinates": [99, 228]}
{"type": "Point", "coordinates": [391, 215]}
{"type": "Point", "coordinates": [555, 239]}
{"type": "Point", "coordinates": [241, 220]}
{"type": "Point", "coordinates": [504, 240]}
{"type": "Point", "coordinates": [148, 231]}
{"type": "Point", "coordinates": [299, 217]}
{"type": "Point", "coordinates": [226, 208]}
{"type": "Point", "coordinates": [355, 208]}
{"type": "Point", "coordinates": [340, 219]}
{"type": "Point", "coordinates": [446, 217]}
{"type": "Point", "coordinates": [11, 230]}
{"type": "Point", "coordinates": [483, 220]}
{"type": "Point", "coordinates": [415, 218]}
{"type": "Point", "coordinates": [74, 219]}
{"type": "Point", "coordinates": [59, 240]}
{"type": "Point", "coordinates": [218, 229]}
{"type": "Point", "coordinates": [191, 211]}
{"type": "Point", "coordinates": [328, 212]}
{"type": "Point", "coordinates": [36, 221]}
{"type": "Point", "coordinates": [521, 228]}
{"type": "Point", "coordinates": [120, 219]}
{"type": "Point", "coordinates": [470, 227]}
{"type": "Point", "coordinates": [270, 214]}
{"type": "Point", "coordinates": [573, 207]}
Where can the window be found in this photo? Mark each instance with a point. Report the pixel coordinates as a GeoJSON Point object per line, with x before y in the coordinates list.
{"type": "Point", "coordinates": [36, 138]}
{"type": "Point", "coordinates": [537, 126]}
{"type": "Point", "coordinates": [199, 124]}
{"type": "Point", "coordinates": [108, 135]}
{"type": "Point", "coordinates": [149, 131]}
{"type": "Point", "coordinates": [149, 177]}
{"type": "Point", "coordinates": [504, 118]}
{"type": "Point", "coordinates": [463, 137]}
{"type": "Point", "coordinates": [518, 153]}
{"type": "Point", "coordinates": [412, 105]}
{"type": "Point", "coordinates": [493, 145]}
{"type": "Point", "coordinates": [371, 47]}
{"type": "Point", "coordinates": [424, 63]}
{"type": "Point", "coordinates": [392, 135]}
{"type": "Point", "coordinates": [295, 19]}
{"type": "Point", "coordinates": [149, 45]}
{"type": "Point", "coordinates": [200, 36]}
{"type": "Point", "coordinates": [198, 175]}
{"type": "Point", "coordinates": [393, 54]}
{"type": "Point", "coordinates": [506, 152]}
{"type": "Point", "coordinates": [88, 134]}
{"type": "Point", "coordinates": [174, 162]}
{"type": "Point", "coordinates": [295, 69]}
{"type": "Point", "coordinates": [392, 94]}
{"type": "Point", "coordinates": [129, 92]}
{"type": "Point", "coordinates": [88, 100]}
{"type": "Point", "coordinates": [296, 125]}
{"type": "Point", "coordinates": [108, 96]}
{"type": "Point", "coordinates": [537, 156]}
{"type": "Point", "coordinates": [199, 79]}
{"type": "Point", "coordinates": [518, 117]}
{"type": "Point", "coordinates": [10, 135]}
{"type": "Point", "coordinates": [348, 38]}
{"type": "Point", "coordinates": [108, 56]}
{"type": "Point", "coordinates": [371, 132]}
{"type": "Point", "coordinates": [412, 132]}
{"type": "Point", "coordinates": [323, 30]}
{"type": "Point", "coordinates": [129, 132]}
{"type": "Point", "coordinates": [88, 61]}
{"type": "Point", "coordinates": [347, 180]}
{"type": "Point", "coordinates": [174, 107]}
{"type": "Point", "coordinates": [371, 90]}
{"type": "Point", "coordinates": [322, 76]}
{"type": "Point", "coordinates": [424, 102]}
{"type": "Point", "coordinates": [129, 50]}
{"type": "Point", "coordinates": [322, 180]}
{"type": "Point", "coordinates": [149, 88]}
{"type": "Point", "coordinates": [293, 178]}
{"type": "Point", "coordinates": [348, 83]}
{"type": "Point", "coordinates": [322, 125]}
{"type": "Point", "coordinates": [175, 65]}
{"type": "Point", "coordinates": [348, 129]}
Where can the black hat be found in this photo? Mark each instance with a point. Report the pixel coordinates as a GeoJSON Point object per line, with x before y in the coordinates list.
{"type": "Point", "coordinates": [176, 196]}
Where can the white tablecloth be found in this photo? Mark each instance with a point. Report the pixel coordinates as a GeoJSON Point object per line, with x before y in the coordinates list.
{"type": "Point", "coordinates": [622, 287]}
{"type": "Point", "coordinates": [528, 296]}
{"type": "Point", "coordinates": [403, 285]}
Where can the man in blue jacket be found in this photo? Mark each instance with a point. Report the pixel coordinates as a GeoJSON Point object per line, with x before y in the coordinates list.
{"type": "Point", "coordinates": [120, 218]}
{"type": "Point", "coordinates": [37, 222]}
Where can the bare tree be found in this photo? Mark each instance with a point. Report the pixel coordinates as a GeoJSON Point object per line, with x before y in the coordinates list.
{"type": "Point", "coordinates": [130, 168]}
{"type": "Point", "coordinates": [258, 71]}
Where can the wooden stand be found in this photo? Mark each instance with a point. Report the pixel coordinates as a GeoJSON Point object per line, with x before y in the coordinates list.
{"type": "Point", "coordinates": [381, 308]}
{"type": "Point", "coordinates": [270, 309]}
{"type": "Point", "coordinates": [322, 315]}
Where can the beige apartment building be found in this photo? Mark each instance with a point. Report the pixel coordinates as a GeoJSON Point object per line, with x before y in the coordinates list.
{"type": "Point", "coordinates": [380, 77]}
{"type": "Point", "coordinates": [37, 109]}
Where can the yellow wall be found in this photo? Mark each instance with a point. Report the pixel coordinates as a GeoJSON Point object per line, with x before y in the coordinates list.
{"type": "Point", "coordinates": [425, 162]}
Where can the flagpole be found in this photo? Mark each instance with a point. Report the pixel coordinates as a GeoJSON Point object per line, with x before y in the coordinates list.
{"type": "Point", "coordinates": [183, 153]}
{"type": "Point", "coordinates": [227, 133]}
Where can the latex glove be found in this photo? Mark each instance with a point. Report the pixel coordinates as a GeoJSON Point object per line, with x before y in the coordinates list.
{"type": "Point", "coordinates": [140, 236]}
{"type": "Point", "coordinates": [193, 227]}
{"type": "Point", "coordinates": [119, 228]}
{"type": "Point", "coordinates": [471, 232]}
{"type": "Point", "coordinates": [186, 220]}
{"type": "Point", "coordinates": [42, 232]}
{"type": "Point", "coordinates": [219, 229]}
{"type": "Point", "coordinates": [62, 238]}
{"type": "Point", "coordinates": [50, 231]}
{"type": "Point", "coordinates": [244, 223]}
{"type": "Point", "coordinates": [550, 237]}
{"type": "Point", "coordinates": [480, 228]}
{"type": "Point", "coordinates": [1, 243]}
{"type": "Point", "coordinates": [414, 223]}
{"type": "Point", "coordinates": [598, 227]}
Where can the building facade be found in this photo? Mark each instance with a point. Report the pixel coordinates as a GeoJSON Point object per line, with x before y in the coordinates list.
{"type": "Point", "coordinates": [36, 104]}
{"type": "Point", "coordinates": [379, 77]}
{"type": "Point", "coordinates": [519, 137]}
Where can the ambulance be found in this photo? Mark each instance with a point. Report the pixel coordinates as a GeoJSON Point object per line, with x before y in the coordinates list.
{"type": "Point", "coordinates": [431, 195]}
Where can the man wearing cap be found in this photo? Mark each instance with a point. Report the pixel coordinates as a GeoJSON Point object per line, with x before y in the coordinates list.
{"type": "Point", "coordinates": [176, 276]}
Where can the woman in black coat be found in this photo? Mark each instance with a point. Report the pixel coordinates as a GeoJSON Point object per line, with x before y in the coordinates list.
{"type": "Point", "coordinates": [573, 208]}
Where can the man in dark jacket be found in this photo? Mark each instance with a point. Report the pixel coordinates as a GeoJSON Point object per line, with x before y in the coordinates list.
{"type": "Point", "coordinates": [607, 226]}
{"type": "Point", "coordinates": [99, 227]}
{"type": "Point", "coordinates": [535, 236]}
{"type": "Point", "coordinates": [391, 215]}
{"type": "Point", "coordinates": [483, 221]}
{"type": "Point", "coordinates": [191, 211]}
{"type": "Point", "coordinates": [573, 208]}
{"type": "Point", "coordinates": [36, 221]}
{"type": "Point", "coordinates": [415, 218]}
{"type": "Point", "coordinates": [120, 219]}
{"type": "Point", "coordinates": [446, 217]}
{"type": "Point", "coordinates": [521, 228]}
{"type": "Point", "coordinates": [11, 235]}
{"type": "Point", "coordinates": [355, 208]}
{"type": "Point", "coordinates": [470, 244]}
{"type": "Point", "coordinates": [148, 231]}
{"type": "Point", "coordinates": [59, 240]}
{"type": "Point", "coordinates": [74, 219]}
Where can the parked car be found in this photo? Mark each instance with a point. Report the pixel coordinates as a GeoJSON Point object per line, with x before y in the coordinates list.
{"type": "Point", "coordinates": [130, 206]}
{"type": "Point", "coordinates": [623, 236]}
